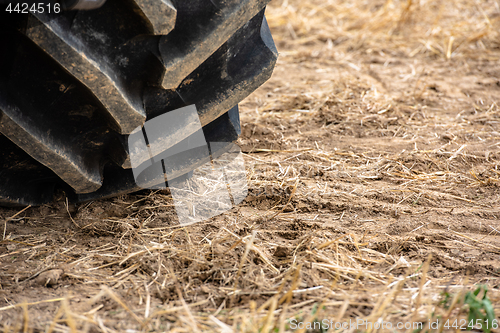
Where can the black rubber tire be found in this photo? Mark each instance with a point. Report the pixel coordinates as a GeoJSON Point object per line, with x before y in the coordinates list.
{"type": "Point", "coordinates": [75, 84]}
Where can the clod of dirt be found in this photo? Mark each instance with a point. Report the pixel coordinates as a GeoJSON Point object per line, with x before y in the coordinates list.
{"type": "Point", "coordinates": [49, 278]}
{"type": "Point", "coordinates": [162, 295]}
{"type": "Point", "coordinates": [281, 252]}
{"type": "Point", "coordinates": [11, 247]}
{"type": "Point", "coordinates": [115, 212]}
{"type": "Point", "coordinates": [205, 289]}
{"type": "Point", "coordinates": [218, 250]}
{"type": "Point", "coordinates": [72, 209]}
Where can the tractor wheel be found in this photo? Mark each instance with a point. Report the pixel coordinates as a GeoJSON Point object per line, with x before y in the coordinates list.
{"type": "Point", "coordinates": [75, 84]}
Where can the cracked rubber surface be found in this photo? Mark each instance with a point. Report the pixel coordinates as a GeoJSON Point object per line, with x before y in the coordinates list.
{"type": "Point", "coordinates": [73, 85]}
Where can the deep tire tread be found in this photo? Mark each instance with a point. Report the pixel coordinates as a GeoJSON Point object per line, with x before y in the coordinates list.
{"type": "Point", "coordinates": [72, 131]}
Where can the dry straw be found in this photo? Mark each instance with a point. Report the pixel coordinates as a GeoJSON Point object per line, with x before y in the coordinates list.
{"type": "Point", "coordinates": [331, 229]}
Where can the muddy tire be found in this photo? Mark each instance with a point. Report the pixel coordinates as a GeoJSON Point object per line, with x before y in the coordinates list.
{"type": "Point", "coordinates": [75, 84]}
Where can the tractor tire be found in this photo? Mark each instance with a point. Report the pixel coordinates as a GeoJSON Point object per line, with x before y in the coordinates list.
{"type": "Point", "coordinates": [75, 84]}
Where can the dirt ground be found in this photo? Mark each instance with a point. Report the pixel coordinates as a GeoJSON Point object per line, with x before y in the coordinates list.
{"type": "Point", "coordinates": [372, 157]}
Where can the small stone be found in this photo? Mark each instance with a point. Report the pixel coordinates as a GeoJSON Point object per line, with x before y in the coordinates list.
{"type": "Point", "coordinates": [49, 278]}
